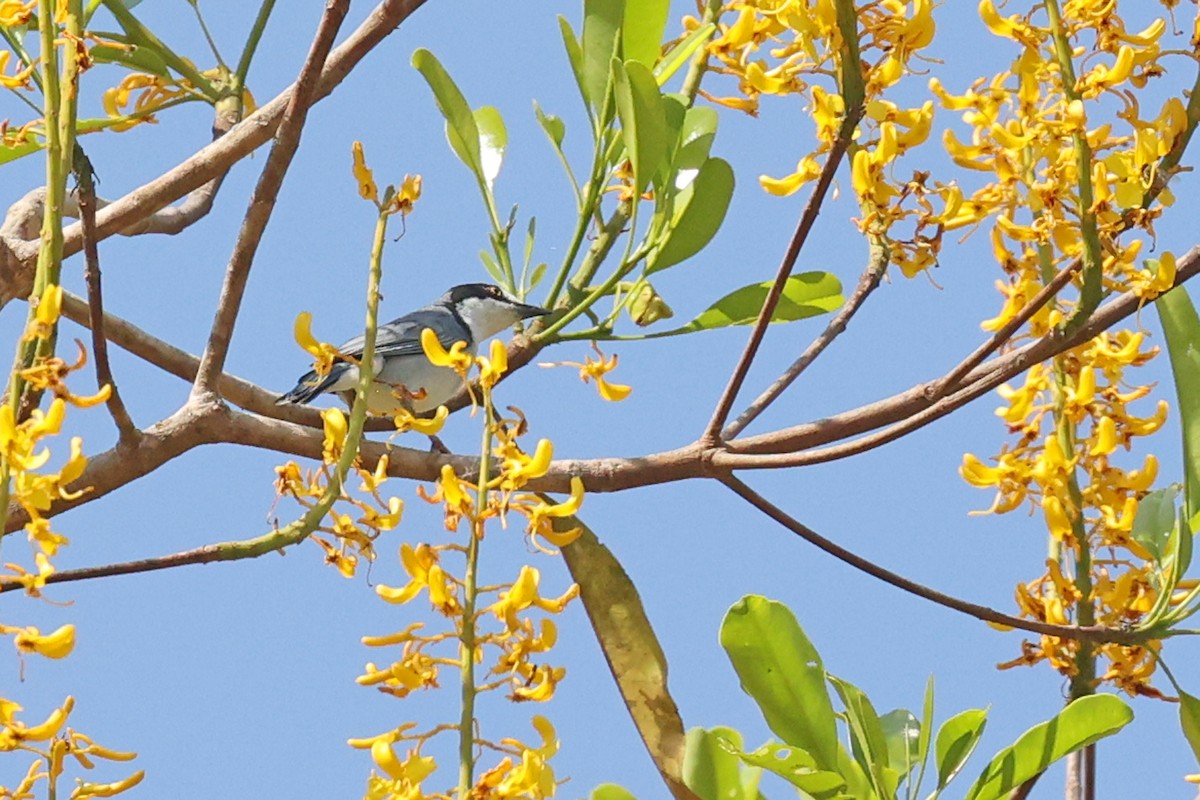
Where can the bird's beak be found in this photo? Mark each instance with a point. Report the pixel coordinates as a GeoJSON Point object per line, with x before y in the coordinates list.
{"type": "Point", "coordinates": [525, 311]}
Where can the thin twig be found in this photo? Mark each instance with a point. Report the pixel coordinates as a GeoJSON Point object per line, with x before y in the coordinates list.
{"type": "Point", "coordinates": [1095, 633]}
{"type": "Point", "coordinates": [867, 283]}
{"type": "Point", "coordinates": [127, 431]}
{"type": "Point", "coordinates": [200, 555]}
{"type": "Point", "coordinates": [910, 402]}
{"type": "Point", "coordinates": [262, 202]}
{"type": "Point", "coordinates": [950, 382]}
{"type": "Point", "coordinates": [807, 219]}
{"type": "Point", "coordinates": [216, 157]}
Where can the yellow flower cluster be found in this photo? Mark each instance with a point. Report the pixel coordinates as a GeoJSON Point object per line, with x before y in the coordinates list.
{"type": "Point", "coordinates": [350, 534]}
{"type": "Point", "coordinates": [493, 623]}
{"type": "Point", "coordinates": [784, 47]}
{"type": "Point", "coordinates": [21, 441]}
{"type": "Point", "coordinates": [1072, 165]}
{"type": "Point", "coordinates": [52, 749]}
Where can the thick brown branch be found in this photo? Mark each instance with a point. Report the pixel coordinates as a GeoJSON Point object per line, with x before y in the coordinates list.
{"type": "Point", "coordinates": [172, 437]}
{"type": "Point", "coordinates": [262, 201]}
{"type": "Point", "coordinates": [1095, 633]}
{"type": "Point", "coordinates": [808, 218]}
{"type": "Point", "coordinates": [201, 423]}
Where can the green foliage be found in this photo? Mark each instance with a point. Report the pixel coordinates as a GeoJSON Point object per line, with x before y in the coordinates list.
{"type": "Point", "coordinates": [1086, 720]}
{"type": "Point", "coordinates": [654, 149]}
{"type": "Point", "coordinates": [713, 768]}
{"type": "Point", "coordinates": [783, 673]}
{"type": "Point", "coordinates": [1182, 328]}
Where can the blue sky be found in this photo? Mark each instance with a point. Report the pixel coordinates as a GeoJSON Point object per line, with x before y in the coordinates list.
{"type": "Point", "coordinates": [236, 680]}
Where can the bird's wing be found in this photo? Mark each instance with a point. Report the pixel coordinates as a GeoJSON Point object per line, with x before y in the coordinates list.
{"type": "Point", "coordinates": [402, 336]}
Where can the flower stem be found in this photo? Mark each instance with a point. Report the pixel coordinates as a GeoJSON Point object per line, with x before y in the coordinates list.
{"type": "Point", "coordinates": [467, 637]}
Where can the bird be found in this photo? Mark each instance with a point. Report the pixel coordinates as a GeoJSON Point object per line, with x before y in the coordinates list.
{"type": "Point", "coordinates": [404, 377]}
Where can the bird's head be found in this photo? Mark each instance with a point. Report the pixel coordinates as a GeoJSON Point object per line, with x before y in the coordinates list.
{"type": "Point", "coordinates": [487, 309]}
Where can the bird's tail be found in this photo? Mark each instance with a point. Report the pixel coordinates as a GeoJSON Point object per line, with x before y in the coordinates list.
{"type": "Point", "coordinates": [311, 384]}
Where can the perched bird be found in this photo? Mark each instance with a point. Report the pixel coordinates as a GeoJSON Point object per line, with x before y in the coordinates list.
{"type": "Point", "coordinates": [404, 378]}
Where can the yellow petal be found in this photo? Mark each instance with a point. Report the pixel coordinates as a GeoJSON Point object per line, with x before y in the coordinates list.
{"type": "Point", "coordinates": [362, 173]}
{"type": "Point", "coordinates": [613, 392]}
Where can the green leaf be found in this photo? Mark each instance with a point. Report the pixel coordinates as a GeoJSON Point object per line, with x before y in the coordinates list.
{"type": "Point", "coordinates": [696, 137]}
{"type": "Point", "coordinates": [462, 131]}
{"type": "Point", "coordinates": [1189, 720]}
{"type": "Point", "coordinates": [711, 767]}
{"type": "Point", "coordinates": [643, 120]}
{"type": "Point", "coordinates": [601, 28]}
{"type": "Point", "coordinates": [956, 740]}
{"type": "Point", "coordinates": [805, 295]}
{"type": "Point", "coordinates": [642, 30]}
{"type": "Point", "coordinates": [782, 671]}
{"type": "Point", "coordinates": [489, 263]}
{"type": "Point", "coordinates": [1155, 519]}
{"type": "Point", "coordinates": [674, 114]}
{"type": "Point", "coordinates": [682, 52]}
{"type": "Point", "coordinates": [29, 144]}
{"type": "Point", "coordinates": [493, 139]}
{"type": "Point", "coordinates": [902, 734]}
{"type": "Point", "coordinates": [141, 58]}
{"type": "Point", "coordinates": [611, 791]}
{"type": "Point", "coordinates": [699, 212]}
{"type": "Point", "coordinates": [536, 276]}
{"type": "Point", "coordinates": [926, 736]}
{"type": "Point", "coordinates": [575, 57]}
{"type": "Point", "coordinates": [866, 734]}
{"type": "Point", "coordinates": [1181, 326]}
{"type": "Point", "coordinates": [552, 124]}
{"type": "Point", "coordinates": [797, 767]}
{"type": "Point", "coordinates": [1084, 721]}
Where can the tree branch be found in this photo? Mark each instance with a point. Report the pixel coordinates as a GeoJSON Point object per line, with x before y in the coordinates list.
{"type": "Point", "coordinates": [176, 435]}
{"type": "Point", "coordinates": [808, 218]}
{"type": "Point", "coordinates": [867, 283]}
{"type": "Point", "coordinates": [1094, 633]}
{"type": "Point", "coordinates": [1001, 337]}
{"type": "Point", "coordinates": [17, 251]}
{"type": "Point", "coordinates": [262, 201]}
{"type": "Point", "coordinates": [127, 432]}
{"type": "Point", "coordinates": [912, 401]}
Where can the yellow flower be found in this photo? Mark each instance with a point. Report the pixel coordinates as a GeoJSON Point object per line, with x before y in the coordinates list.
{"type": "Point", "coordinates": [493, 367]}
{"type": "Point", "coordinates": [406, 421]}
{"type": "Point", "coordinates": [541, 514]}
{"type": "Point", "coordinates": [524, 594]}
{"type": "Point", "coordinates": [541, 688]}
{"type": "Point", "coordinates": [517, 468]}
{"type": "Point", "coordinates": [14, 13]}
{"type": "Point", "coordinates": [336, 427]}
{"type": "Point", "coordinates": [362, 173]}
{"type": "Point", "coordinates": [407, 195]}
{"type": "Point", "coordinates": [456, 358]}
{"type": "Point", "coordinates": [85, 790]}
{"type": "Point", "coordinates": [425, 573]}
{"type": "Point", "coordinates": [57, 644]}
{"type": "Point", "coordinates": [595, 369]}
{"type": "Point", "coordinates": [324, 353]}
